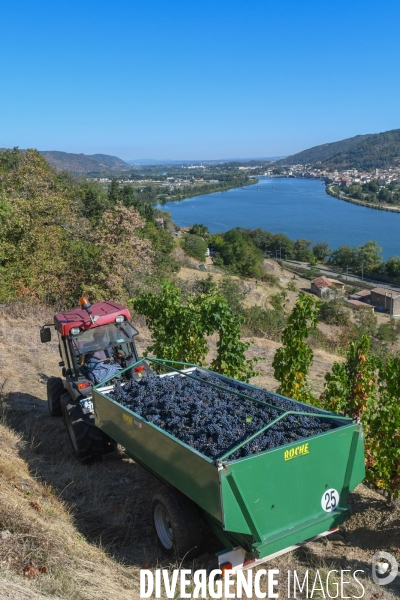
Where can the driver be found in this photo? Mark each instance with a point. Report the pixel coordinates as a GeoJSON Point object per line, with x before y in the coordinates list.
{"type": "Point", "coordinates": [93, 364]}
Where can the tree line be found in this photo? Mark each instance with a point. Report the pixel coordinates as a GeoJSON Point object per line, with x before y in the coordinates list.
{"type": "Point", "coordinates": [373, 192]}
{"type": "Point", "coordinates": [243, 251]}
{"type": "Point", "coordinates": [61, 236]}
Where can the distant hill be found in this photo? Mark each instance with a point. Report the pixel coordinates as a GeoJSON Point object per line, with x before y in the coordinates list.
{"type": "Point", "coordinates": [185, 161]}
{"type": "Point", "coordinates": [364, 152]}
{"type": "Point", "coordinates": [84, 163]}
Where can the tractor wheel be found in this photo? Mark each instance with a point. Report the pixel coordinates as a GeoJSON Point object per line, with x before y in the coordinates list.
{"type": "Point", "coordinates": [55, 388]}
{"type": "Point", "coordinates": [87, 440]}
{"type": "Point", "coordinates": [177, 524]}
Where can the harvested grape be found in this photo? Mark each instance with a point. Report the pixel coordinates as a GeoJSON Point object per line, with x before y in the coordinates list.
{"type": "Point", "coordinates": [213, 421]}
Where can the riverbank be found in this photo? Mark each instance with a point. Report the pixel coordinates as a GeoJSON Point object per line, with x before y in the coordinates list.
{"type": "Point", "coordinates": [385, 207]}
{"type": "Point", "coordinates": [199, 191]}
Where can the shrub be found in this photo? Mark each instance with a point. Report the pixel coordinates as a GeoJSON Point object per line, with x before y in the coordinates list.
{"type": "Point", "coordinates": [366, 322]}
{"type": "Point", "coordinates": [278, 301]}
{"type": "Point", "coordinates": [264, 323]}
{"type": "Point", "coordinates": [271, 279]}
{"type": "Point", "coordinates": [389, 332]}
{"type": "Point", "coordinates": [334, 313]}
{"type": "Point", "coordinates": [230, 290]}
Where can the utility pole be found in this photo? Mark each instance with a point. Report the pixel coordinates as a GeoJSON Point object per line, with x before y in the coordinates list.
{"type": "Point", "coordinates": [347, 272]}
{"type": "Point", "coordinates": [362, 271]}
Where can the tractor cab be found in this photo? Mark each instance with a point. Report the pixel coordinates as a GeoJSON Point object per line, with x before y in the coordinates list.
{"type": "Point", "coordinates": [94, 341]}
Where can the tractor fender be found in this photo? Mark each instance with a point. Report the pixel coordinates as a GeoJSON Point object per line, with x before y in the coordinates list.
{"type": "Point", "coordinates": [73, 392]}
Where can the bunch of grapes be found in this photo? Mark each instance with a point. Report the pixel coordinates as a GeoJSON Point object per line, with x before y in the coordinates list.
{"type": "Point", "coordinates": [213, 421]}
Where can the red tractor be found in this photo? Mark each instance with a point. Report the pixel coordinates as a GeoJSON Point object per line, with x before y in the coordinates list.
{"type": "Point", "coordinates": [94, 341]}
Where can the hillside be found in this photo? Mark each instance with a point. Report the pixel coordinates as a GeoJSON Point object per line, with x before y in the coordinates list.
{"type": "Point", "coordinates": [364, 152]}
{"type": "Point", "coordinates": [83, 163]}
{"type": "Point", "coordinates": [76, 531]}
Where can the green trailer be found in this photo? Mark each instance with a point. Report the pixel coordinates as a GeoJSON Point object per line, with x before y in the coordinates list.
{"type": "Point", "coordinates": [260, 505]}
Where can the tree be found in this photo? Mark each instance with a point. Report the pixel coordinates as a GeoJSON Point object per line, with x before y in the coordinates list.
{"type": "Point", "coordinates": [373, 186]}
{"type": "Point", "coordinates": [122, 254]}
{"type": "Point", "coordinates": [370, 254]}
{"type": "Point", "coordinates": [264, 323]}
{"type": "Point", "coordinates": [393, 267]}
{"type": "Point", "coordinates": [201, 231]}
{"type": "Point", "coordinates": [93, 201]}
{"type": "Point", "coordinates": [113, 192]}
{"type": "Point", "coordinates": [302, 250]}
{"type": "Point", "coordinates": [195, 246]}
{"type": "Point", "coordinates": [384, 195]}
{"type": "Point", "coordinates": [126, 195]}
{"type": "Point", "coordinates": [40, 223]}
{"type": "Point", "coordinates": [281, 246]}
{"type": "Point", "coordinates": [321, 251]}
{"type": "Point", "coordinates": [262, 239]}
{"type": "Point", "coordinates": [355, 191]}
{"type": "Point", "coordinates": [345, 256]}
{"type": "Point", "coordinates": [237, 250]}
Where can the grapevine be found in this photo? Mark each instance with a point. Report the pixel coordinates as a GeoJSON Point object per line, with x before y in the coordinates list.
{"type": "Point", "coordinates": [365, 388]}
{"type": "Point", "coordinates": [293, 360]}
{"type": "Point", "coordinates": [180, 328]}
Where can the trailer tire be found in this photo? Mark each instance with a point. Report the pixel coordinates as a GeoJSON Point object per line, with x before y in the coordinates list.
{"type": "Point", "coordinates": [87, 440]}
{"type": "Point", "coordinates": [177, 524]}
{"type": "Point", "coordinates": [55, 389]}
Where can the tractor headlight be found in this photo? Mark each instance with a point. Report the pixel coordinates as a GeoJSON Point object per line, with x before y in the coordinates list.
{"type": "Point", "coordinates": [75, 330]}
{"type": "Point", "coordinates": [120, 319]}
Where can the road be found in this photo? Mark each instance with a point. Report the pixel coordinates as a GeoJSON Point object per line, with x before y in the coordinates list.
{"type": "Point", "coordinates": [346, 277]}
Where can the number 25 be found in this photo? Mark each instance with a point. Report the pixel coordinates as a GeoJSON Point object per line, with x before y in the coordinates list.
{"type": "Point", "coordinates": [330, 500]}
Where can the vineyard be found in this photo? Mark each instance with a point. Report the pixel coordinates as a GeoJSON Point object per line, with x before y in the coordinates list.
{"type": "Point", "coordinates": [366, 386]}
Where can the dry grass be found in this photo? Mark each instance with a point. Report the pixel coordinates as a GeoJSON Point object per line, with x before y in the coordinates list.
{"type": "Point", "coordinates": [43, 549]}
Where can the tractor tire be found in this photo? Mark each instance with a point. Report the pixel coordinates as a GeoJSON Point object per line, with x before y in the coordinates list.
{"type": "Point", "coordinates": [55, 389]}
{"type": "Point", "coordinates": [87, 440]}
{"type": "Point", "coordinates": [177, 524]}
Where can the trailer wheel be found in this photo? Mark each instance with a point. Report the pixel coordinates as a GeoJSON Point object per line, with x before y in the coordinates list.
{"type": "Point", "coordinates": [177, 524]}
{"type": "Point", "coordinates": [86, 439]}
{"type": "Point", "coordinates": [55, 388]}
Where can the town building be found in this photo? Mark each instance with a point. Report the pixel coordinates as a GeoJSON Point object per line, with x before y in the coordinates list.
{"type": "Point", "coordinates": [361, 296]}
{"type": "Point", "coordinates": [386, 300]}
{"type": "Point", "coordinates": [324, 287]}
{"type": "Point", "coordinates": [357, 304]}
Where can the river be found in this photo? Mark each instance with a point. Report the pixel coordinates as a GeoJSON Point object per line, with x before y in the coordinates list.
{"type": "Point", "coordinates": [299, 208]}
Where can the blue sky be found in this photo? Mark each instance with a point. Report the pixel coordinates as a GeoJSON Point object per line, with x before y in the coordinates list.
{"type": "Point", "coordinates": [194, 80]}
